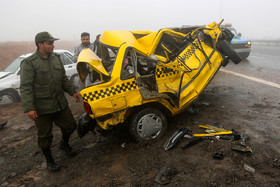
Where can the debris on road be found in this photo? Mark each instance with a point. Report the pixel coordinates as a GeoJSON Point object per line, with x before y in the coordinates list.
{"type": "Point", "coordinates": [249, 168]}
{"type": "Point", "coordinates": [2, 124]}
{"type": "Point", "coordinates": [218, 155]}
{"type": "Point", "coordinates": [193, 142]}
{"type": "Point", "coordinates": [173, 140]}
{"type": "Point", "coordinates": [123, 145]}
{"type": "Point", "coordinates": [214, 131]}
{"type": "Point", "coordinates": [195, 108]}
{"type": "Point", "coordinates": [240, 145]}
{"type": "Point", "coordinates": [165, 175]}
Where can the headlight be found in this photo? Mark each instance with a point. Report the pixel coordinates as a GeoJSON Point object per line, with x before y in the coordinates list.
{"type": "Point", "coordinates": [248, 44]}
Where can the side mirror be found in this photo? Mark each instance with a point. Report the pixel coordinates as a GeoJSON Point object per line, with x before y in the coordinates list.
{"type": "Point", "coordinates": [239, 34]}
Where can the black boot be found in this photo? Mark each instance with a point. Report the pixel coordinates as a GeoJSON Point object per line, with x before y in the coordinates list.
{"type": "Point", "coordinates": [64, 145]}
{"type": "Point", "coordinates": [51, 165]}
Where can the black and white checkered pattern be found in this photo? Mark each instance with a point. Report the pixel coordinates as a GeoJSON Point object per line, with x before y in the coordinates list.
{"type": "Point", "coordinates": [164, 72]}
{"type": "Point", "coordinates": [100, 94]}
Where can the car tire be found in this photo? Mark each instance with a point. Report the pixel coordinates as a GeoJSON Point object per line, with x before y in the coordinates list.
{"type": "Point", "coordinates": [8, 97]}
{"type": "Point", "coordinates": [147, 123]}
{"type": "Point", "coordinates": [224, 46]}
{"type": "Point", "coordinates": [244, 55]}
{"type": "Point", "coordinates": [75, 80]}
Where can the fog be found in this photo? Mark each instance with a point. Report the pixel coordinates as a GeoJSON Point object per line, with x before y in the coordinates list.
{"type": "Point", "coordinates": [66, 19]}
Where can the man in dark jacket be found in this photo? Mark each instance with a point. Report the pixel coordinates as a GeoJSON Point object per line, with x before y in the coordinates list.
{"type": "Point", "coordinates": [42, 85]}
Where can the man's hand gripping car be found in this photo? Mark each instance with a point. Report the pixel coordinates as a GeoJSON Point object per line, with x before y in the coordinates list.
{"type": "Point", "coordinates": [145, 76]}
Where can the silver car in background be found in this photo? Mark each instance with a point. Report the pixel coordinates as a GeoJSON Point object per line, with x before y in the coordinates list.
{"type": "Point", "coordinates": [10, 77]}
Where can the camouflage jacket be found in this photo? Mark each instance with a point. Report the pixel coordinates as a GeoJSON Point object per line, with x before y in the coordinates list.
{"type": "Point", "coordinates": [42, 84]}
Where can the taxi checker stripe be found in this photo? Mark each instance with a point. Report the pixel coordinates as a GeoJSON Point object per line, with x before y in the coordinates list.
{"type": "Point", "coordinates": [194, 77]}
{"type": "Point", "coordinates": [99, 94]}
{"type": "Point", "coordinates": [160, 72]}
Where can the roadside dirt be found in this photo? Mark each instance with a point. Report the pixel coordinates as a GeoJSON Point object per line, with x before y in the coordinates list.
{"type": "Point", "coordinates": [115, 160]}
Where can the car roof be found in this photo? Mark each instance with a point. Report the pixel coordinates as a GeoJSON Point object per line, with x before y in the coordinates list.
{"type": "Point", "coordinates": [141, 40]}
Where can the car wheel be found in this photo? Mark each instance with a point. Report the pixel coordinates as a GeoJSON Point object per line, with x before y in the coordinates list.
{"type": "Point", "coordinates": [7, 97]}
{"type": "Point", "coordinates": [75, 80]}
{"type": "Point", "coordinates": [224, 46]}
{"type": "Point", "coordinates": [148, 123]}
{"type": "Point", "coordinates": [244, 55]}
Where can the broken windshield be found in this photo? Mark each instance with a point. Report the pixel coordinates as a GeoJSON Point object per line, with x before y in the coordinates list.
{"type": "Point", "coordinates": [169, 46]}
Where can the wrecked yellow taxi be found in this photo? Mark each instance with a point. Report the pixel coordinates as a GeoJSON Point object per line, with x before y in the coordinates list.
{"type": "Point", "coordinates": [141, 77]}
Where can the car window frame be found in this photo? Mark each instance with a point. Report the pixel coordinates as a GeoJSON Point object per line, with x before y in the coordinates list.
{"type": "Point", "coordinates": [123, 75]}
{"type": "Point", "coordinates": [64, 57]}
{"type": "Point", "coordinates": [69, 56]}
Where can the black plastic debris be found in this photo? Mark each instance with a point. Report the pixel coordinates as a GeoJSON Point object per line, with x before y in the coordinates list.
{"type": "Point", "coordinates": [174, 139]}
{"type": "Point", "coordinates": [196, 107]}
{"type": "Point", "coordinates": [2, 124]}
{"type": "Point", "coordinates": [218, 155]}
{"type": "Point", "coordinates": [193, 142]}
{"type": "Point", "coordinates": [166, 174]}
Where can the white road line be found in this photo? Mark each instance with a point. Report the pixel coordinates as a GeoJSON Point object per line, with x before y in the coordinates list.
{"type": "Point", "coordinates": [252, 78]}
{"type": "Point", "coordinates": [251, 56]}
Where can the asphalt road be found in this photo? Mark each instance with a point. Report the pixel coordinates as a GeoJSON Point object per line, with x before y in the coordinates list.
{"type": "Point", "coordinates": [265, 57]}
{"type": "Point", "coordinates": [258, 76]}
{"type": "Point", "coordinates": [263, 63]}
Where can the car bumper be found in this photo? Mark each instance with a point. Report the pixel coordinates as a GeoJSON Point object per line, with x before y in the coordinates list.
{"type": "Point", "coordinates": [85, 124]}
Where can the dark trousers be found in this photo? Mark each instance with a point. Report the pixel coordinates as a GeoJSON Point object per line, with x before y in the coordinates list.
{"type": "Point", "coordinates": [63, 119]}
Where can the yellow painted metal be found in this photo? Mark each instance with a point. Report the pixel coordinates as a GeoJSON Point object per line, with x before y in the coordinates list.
{"type": "Point", "coordinates": [213, 128]}
{"type": "Point", "coordinates": [146, 44]}
{"type": "Point", "coordinates": [220, 131]}
{"type": "Point", "coordinates": [142, 33]}
{"type": "Point", "coordinates": [214, 31]}
{"type": "Point", "coordinates": [185, 77]}
{"type": "Point", "coordinates": [117, 38]}
{"type": "Point", "coordinates": [213, 134]}
{"type": "Point", "coordinates": [88, 57]}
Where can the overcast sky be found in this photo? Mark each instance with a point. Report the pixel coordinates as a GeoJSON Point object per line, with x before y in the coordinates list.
{"type": "Point", "coordinates": [66, 19]}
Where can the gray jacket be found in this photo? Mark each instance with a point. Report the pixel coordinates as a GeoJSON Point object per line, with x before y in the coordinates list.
{"type": "Point", "coordinates": [79, 48]}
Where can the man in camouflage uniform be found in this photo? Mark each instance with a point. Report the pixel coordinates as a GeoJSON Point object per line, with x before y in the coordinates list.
{"type": "Point", "coordinates": [42, 85]}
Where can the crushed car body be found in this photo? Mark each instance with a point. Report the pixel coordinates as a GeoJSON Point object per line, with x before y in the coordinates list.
{"type": "Point", "coordinates": [143, 76]}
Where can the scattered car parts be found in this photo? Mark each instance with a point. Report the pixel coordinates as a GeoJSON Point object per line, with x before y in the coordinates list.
{"type": "Point", "coordinates": [174, 139]}
{"type": "Point", "coordinates": [2, 124]}
{"type": "Point", "coordinates": [165, 175]}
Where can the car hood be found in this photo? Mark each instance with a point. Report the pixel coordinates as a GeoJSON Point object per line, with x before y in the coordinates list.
{"type": "Point", "coordinates": [88, 57]}
{"type": "Point", "coordinates": [4, 74]}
